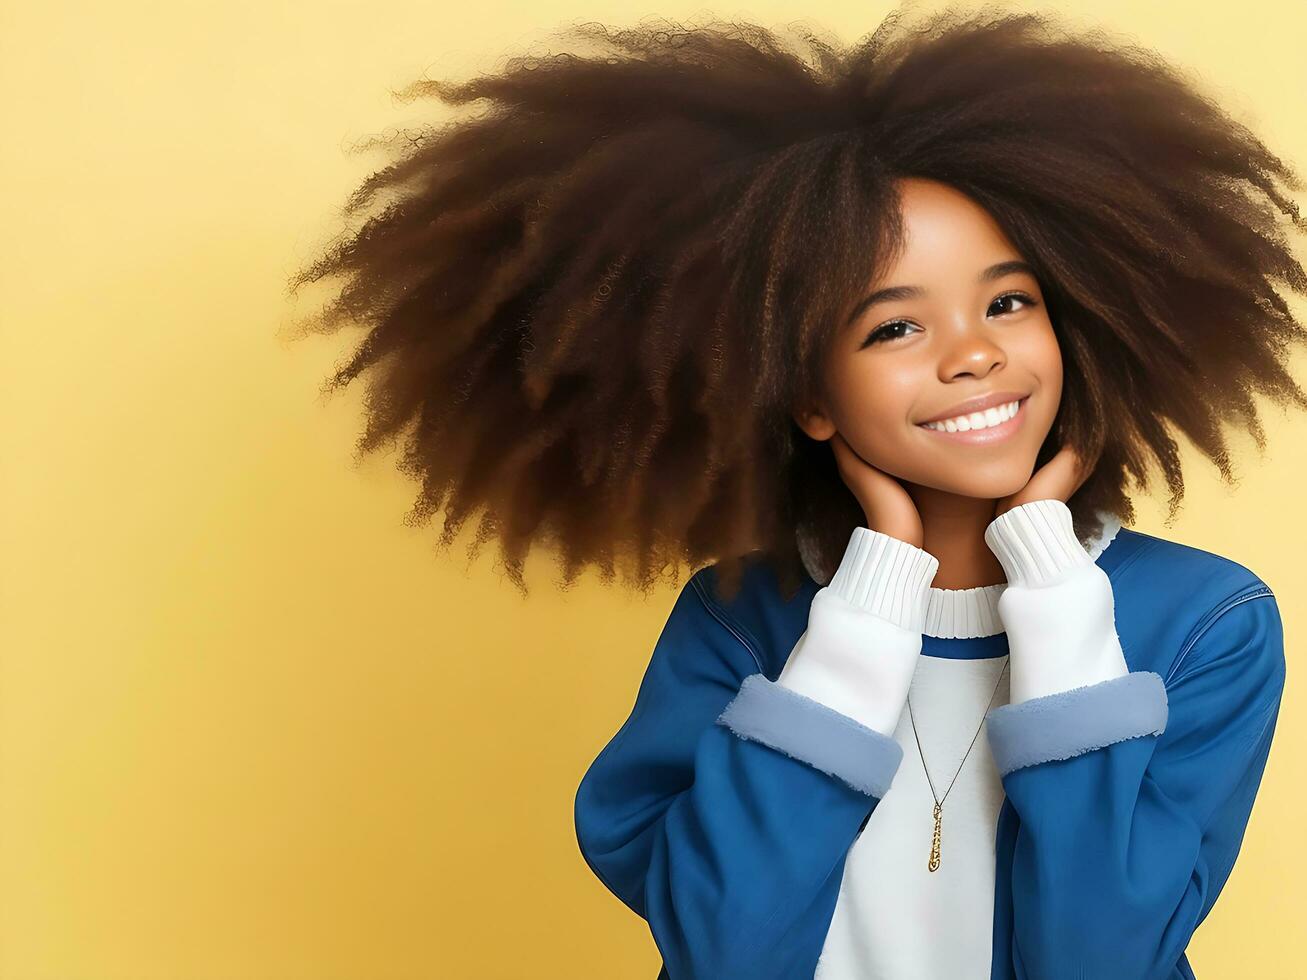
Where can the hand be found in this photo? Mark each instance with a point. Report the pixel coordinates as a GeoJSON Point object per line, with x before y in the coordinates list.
{"type": "Point", "coordinates": [885, 502]}
{"type": "Point", "coordinates": [1057, 479]}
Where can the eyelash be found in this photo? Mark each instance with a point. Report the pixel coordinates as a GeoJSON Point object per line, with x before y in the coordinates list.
{"type": "Point", "coordinates": [874, 336]}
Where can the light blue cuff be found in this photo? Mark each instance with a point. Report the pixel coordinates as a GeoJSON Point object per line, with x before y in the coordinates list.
{"type": "Point", "coordinates": [1070, 723]}
{"type": "Point", "coordinates": [809, 731]}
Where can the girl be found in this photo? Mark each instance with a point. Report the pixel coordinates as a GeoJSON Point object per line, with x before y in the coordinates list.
{"type": "Point", "coordinates": [875, 338]}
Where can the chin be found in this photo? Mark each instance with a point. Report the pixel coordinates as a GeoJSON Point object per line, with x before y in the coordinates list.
{"type": "Point", "coordinates": [1001, 481]}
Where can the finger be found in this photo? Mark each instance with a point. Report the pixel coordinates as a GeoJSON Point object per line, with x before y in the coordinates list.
{"type": "Point", "coordinates": [1057, 479]}
{"type": "Point", "coordinates": [844, 454]}
{"type": "Point", "coordinates": [1084, 469]}
{"type": "Point", "coordinates": [838, 448]}
{"type": "Point", "coordinates": [1076, 471]}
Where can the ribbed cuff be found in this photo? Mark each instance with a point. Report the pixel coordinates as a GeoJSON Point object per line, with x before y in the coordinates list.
{"type": "Point", "coordinates": [1036, 542]}
{"type": "Point", "coordinates": [886, 576]}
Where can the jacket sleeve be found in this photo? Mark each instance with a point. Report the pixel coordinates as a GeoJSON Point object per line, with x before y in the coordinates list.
{"type": "Point", "coordinates": [1133, 793]}
{"type": "Point", "coordinates": [723, 808]}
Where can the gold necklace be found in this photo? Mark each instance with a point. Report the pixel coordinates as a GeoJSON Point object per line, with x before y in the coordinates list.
{"type": "Point", "coordinates": [939, 804]}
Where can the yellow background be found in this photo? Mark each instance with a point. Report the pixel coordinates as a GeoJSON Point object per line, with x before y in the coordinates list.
{"type": "Point", "coordinates": [250, 727]}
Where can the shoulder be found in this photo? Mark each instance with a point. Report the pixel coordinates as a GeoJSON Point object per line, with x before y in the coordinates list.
{"type": "Point", "coordinates": [758, 613]}
{"type": "Point", "coordinates": [1175, 603]}
{"type": "Point", "coordinates": [1174, 577]}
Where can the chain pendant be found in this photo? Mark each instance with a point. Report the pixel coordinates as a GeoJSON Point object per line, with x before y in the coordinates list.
{"type": "Point", "coordinates": [934, 843]}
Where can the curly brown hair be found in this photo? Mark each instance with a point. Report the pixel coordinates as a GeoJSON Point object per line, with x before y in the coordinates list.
{"type": "Point", "coordinates": [599, 301]}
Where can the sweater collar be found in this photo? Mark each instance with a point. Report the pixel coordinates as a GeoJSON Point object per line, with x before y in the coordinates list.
{"type": "Point", "coordinates": [970, 613]}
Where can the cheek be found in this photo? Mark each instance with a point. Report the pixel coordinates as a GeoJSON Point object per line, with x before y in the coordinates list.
{"type": "Point", "coordinates": [875, 400]}
{"type": "Point", "coordinates": [1043, 340]}
{"type": "Point", "coordinates": [1035, 357]}
{"type": "Point", "coordinates": [875, 396]}
{"type": "Point", "coordinates": [1040, 360]}
{"type": "Point", "coordinates": [1046, 364]}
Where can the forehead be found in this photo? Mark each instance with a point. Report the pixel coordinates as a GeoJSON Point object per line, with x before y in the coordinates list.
{"type": "Point", "coordinates": [944, 232]}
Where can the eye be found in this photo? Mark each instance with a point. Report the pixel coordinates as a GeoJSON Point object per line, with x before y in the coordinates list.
{"type": "Point", "coordinates": [1019, 296]}
{"type": "Point", "coordinates": [883, 332]}
{"type": "Point", "coordinates": [886, 330]}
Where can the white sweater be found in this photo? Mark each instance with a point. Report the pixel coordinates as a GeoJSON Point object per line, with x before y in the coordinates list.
{"type": "Point", "coordinates": [878, 632]}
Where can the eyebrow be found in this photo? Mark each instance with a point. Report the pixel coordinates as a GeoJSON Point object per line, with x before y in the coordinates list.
{"type": "Point", "coordinates": [891, 293]}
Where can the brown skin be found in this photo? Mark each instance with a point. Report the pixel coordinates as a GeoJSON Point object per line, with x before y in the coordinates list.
{"type": "Point", "coordinates": [963, 336]}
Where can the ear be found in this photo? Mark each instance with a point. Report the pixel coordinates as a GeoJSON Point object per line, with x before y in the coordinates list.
{"type": "Point", "coordinates": [814, 422]}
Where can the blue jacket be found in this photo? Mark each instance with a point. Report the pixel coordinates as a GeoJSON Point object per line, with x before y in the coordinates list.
{"type": "Point", "coordinates": [1125, 807]}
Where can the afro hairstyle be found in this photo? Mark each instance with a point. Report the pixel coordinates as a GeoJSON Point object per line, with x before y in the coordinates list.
{"type": "Point", "coordinates": [592, 307]}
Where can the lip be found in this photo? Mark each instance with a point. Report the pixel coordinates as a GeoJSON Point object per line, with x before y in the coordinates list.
{"type": "Point", "coordinates": [978, 404]}
{"type": "Point", "coordinates": [986, 436]}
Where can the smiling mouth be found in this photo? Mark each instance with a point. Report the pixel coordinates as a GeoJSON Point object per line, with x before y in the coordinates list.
{"type": "Point", "coordinates": [981, 428]}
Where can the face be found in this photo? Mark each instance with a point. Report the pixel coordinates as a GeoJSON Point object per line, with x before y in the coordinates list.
{"type": "Point", "coordinates": [957, 316]}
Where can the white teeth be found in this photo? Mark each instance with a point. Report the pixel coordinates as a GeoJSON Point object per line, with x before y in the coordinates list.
{"type": "Point", "coordinates": [977, 420]}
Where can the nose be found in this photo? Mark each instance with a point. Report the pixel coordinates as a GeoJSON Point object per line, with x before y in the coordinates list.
{"type": "Point", "coordinates": [970, 353]}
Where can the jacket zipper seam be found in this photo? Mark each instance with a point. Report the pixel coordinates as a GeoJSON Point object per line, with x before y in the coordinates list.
{"type": "Point", "coordinates": [1259, 591]}
{"type": "Point", "coordinates": [721, 617]}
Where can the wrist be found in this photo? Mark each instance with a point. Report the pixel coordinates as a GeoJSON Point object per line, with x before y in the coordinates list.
{"type": "Point", "coordinates": [886, 576]}
{"type": "Point", "coordinates": [1058, 609]}
{"type": "Point", "coordinates": [1036, 543]}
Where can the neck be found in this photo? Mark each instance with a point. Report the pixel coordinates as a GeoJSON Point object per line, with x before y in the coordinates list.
{"type": "Point", "coordinates": [965, 605]}
{"type": "Point", "coordinates": [953, 529]}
